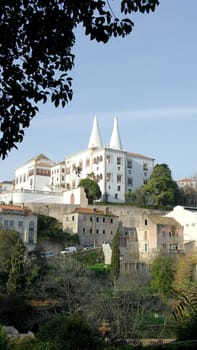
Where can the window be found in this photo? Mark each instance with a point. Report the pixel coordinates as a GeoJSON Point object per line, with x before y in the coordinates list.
{"type": "Point", "coordinates": [73, 218]}
{"type": "Point", "coordinates": [116, 195]}
{"type": "Point", "coordinates": [146, 247]}
{"type": "Point", "coordinates": [129, 163]}
{"type": "Point", "coordinates": [31, 232]}
{"type": "Point", "coordinates": [84, 230]}
{"type": "Point", "coordinates": [5, 223]}
{"type": "Point", "coordinates": [145, 222]}
{"type": "Point", "coordinates": [97, 231]}
{"type": "Point", "coordinates": [103, 231]}
{"type": "Point", "coordinates": [111, 220]}
{"type": "Point", "coordinates": [130, 181]}
{"type": "Point", "coordinates": [108, 159]}
{"type": "Point", "coordinates": [90, 230]}
{"type": "Point", "coordinates": [103, 219]}
{"type": "Point", "coordinates": [119, 178]}
{"type": "Point", "coordinates": [97, 219]}
{"type": "Point", "coordinates": [11, 223]}
{"type": "Point", "coordinates": [109, 177]}
{"type": "Point", "coordinates": [118, 161]}
{"type": "Point", "coordinates": [91, 218]}
{"type": "Point", "coordinates": [20, 224]}
{"type": "Point", "coordinates": [118, 188]}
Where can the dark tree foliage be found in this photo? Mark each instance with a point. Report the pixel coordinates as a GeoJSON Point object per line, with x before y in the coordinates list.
{"type": "Point", "coordinates": [91, 189]}
{"type": "Point", "coordinates": [115, 259]}
{"type": "Point", "coordinates": [36, 41]}
{"type": "Point", "coordinates": [70, 332]}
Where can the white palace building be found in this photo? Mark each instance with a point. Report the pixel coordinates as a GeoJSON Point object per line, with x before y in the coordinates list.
{"type": "Point", "coordinates": [116, 171]}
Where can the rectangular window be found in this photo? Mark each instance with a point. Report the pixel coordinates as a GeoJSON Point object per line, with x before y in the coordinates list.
{"type": "Point", "coordinates": [118, 161]}
{"type": "Point", "coordinates": [111, 220]}
{"type": "Point", "coordinates": [11, 223]}
{"type": "Point", "coordinates": [5, 223]}
{"type": "Point", "coordinates": [73, 218]}
{"type": "Point", "coordinates": [118, 188]}
{"type": "Point", "coordinates": [108, 159]}
{"type": "Point", "coordinates": [130, 181]}
{"type": "Point", "coordinates": [20, 224]}
{"type": "Point", "coordinates": [103, 219]}
{"type": "Point", "coordinates": [90, 218]}
{"type": "Point", "coordinates": [119, 178]}
{"type": "Point", "coordinates": [146, 247]}
{"type": "Point", "coordinates": [129, 163]}
{"type": "Point", "coordinates": [97, 219]}
{"type": "Point", "coordinates": [109, 177]}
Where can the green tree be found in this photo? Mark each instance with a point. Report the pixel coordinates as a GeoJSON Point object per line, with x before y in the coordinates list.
{"type": "Point", "coordinates": [91, 189]}
{"type": "Point", "coordinates": [16, 278]}
{"type": "Point", "coordinates": [161, 189]}
{"type": "Point", "coordinates": [69, 332]}
{"type": "Point", "coordinates": [8, 240]}
{"type": "Point", "coordinates": [163, 271]}
{"type": "Point", "coordinates": [115, 258]}
{"type": "Point", "coordinates": [37, 38]}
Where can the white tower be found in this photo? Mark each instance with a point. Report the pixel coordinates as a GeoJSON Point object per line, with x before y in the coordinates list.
{"type": "Point", "coordinates": [115, 141]}
{"type": "Point", "coordinates": [95, 140]}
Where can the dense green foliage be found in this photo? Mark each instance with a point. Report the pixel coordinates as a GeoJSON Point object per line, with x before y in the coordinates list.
{"type": "Point", "coordinates": [115, 258]}
{"type": "Point", "coordinates": [37, 38]}
{"type": "Point", "coordinates": [91, 189]}
{"type": "Point", "coordinates": [161, 191]}
{"type": "Point", "coordinates": [163, 270]}
{"type": "Point", "coordinates": [50, 228]}
{"type": "Point", "coordinates": [70, 332]}
{"type": "Point", "coordinates": [8, 240]}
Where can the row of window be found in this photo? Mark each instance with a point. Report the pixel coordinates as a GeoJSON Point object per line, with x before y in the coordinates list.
{"type": "Point", "coordinates": [57, 171]}
{"type": "Point", "coordinates": [85, 230]}
{"type": "Point", "coordinates": [91, 219]}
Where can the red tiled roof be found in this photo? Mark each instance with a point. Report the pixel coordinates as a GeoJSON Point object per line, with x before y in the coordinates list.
{"type": "Point", "coordinates": [93, 211]}
{"type": "Point", "coordinates": [14, 208]}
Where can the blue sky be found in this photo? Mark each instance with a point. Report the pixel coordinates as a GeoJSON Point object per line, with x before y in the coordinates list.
{"type": "Point", "coordinates": [147, 80]}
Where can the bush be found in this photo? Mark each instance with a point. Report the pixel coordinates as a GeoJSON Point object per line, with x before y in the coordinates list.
{"type": "Point", "coordinates": [70, 333]}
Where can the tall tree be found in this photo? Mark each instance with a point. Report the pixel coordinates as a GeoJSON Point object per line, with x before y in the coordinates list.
{"type": "Point", "coordinates": [8, 240]}
{"type": "Point", "coordinates": [115, 258]}
{"type": "Point", "coordinates": [163, 271]}
{"type": "Point", "coordinates": [16, 278]}
{"type": "Point", "coordinates": [161, 189]}
{"type": "Point", "coordinates": [37, 37]}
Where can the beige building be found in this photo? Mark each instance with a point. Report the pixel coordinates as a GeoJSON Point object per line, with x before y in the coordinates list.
{"type": "Point", "coordinates": [158, 233]}
{"type": "Point", "coordinates": [20, 219]}
{"type": "Point", "coordinates": [93, 225]}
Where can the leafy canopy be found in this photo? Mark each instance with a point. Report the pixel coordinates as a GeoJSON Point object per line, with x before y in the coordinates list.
{"type": "Point", "coordinates": [91, 189]}
{"type": "Point", "coordinates": [36, 41]}
{"type": "Point", "coordinates": [161, 188]}
{"type": "Point", "coordinates": [163, 270]}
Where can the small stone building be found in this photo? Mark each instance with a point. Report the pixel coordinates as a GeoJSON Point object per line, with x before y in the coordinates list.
{"type": "Point", "coordinates": [93, 225]}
